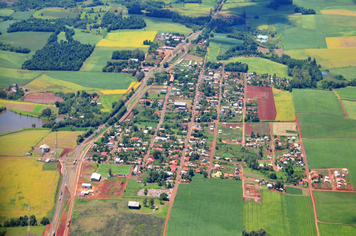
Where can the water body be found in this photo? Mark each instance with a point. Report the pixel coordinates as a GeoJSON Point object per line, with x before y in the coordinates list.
{"type": "Point", "coordinates": [11, 121]}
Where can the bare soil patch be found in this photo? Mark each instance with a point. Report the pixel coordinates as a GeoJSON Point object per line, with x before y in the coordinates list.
{"type": "Point", "coordinates": [264, 97]}
{"type": "Point", "coordinates": [193, 58]}
{"type": "Point", "coordinates": [279, 51]}
{"type": "Point", "coordinates": [285, 129]}
{"type": "Point", "coordinates": [47, 97]}
{"type": "Point", "coordinates": [21, 107]}
{"type": "Point", "coordinates": [261, 128]}
{"type": "Point", "coordinates": [263, 50]}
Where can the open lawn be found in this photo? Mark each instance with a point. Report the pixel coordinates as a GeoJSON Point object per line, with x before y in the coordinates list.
{"type": "Point", "coordinates": [219, 44]}
{"type": "Point", "coordinates": [21, 180]}
{"type": "Point", "coordinates": [20, 231]}
{"type": "Point", "coordinates": [126, 38]}
{"type": "Point", "coordinates": [107, 100]}
{"type": "Point", "coordinates": [284, 105]}
{"type": "Point", "coordinates": [116, 169]}
{"type": "Point", "coordinates": [262, 66]}
{"type": "Point", "coordinates": [336, 207]}
{"type": "Point", "coordinates": [100, 217]}
{"type": "Point", "coordinates": [332, 153]}
{"type": "Point", "coordinates": [19, 77]}
{"type": "Point", "coordinates": [336, 229]}
{"type": "Point", "coordinates": [65, 139]}
{"type": "Point", "coordinates": [323, 126]}
{"type": "Point", "coordinates": [350, 107]}
{"type": "Point", "coordinates": [200, 208]}
{"type": "Point", "coordinates": [287, 215]}
{"type": "Point", "coordinates": [347, 93]}
{"type": "Point", "coordinates": [317, 101]}
{"type": "Point", "coordinates": [132, 188]}
{"type": "Point", "coordinates": [19, 143]}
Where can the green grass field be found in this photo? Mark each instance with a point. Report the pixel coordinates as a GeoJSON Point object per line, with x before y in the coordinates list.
{"type": "Point", "coordinates": [336, 229]}
{"type": "Point", "coordinates": [6, 12]}
{"type": "Point", "coordinates": [262, 66]}
{"type": "Point", "coordinates": [287, 215]}
{"type": "Point", "coordinates": [336, 207]}
{"type": "Point", "coordinates": [284, 105]}
{"type": "Point", "coordinates": [290, 190]}
{"type": "Point", "coordinates": [86, 38]}
{"type": "Point", "coordinates": [20, 77]}
{"type": "Point", "coordinates": [194, 9]}
{"type": "Point", "coordinates": [116, 169]}
{"type": "Point", "coordinates": [347, 93]}
{"type": "Point", "coordinates": [22, 15]}
{"type": "Point", "coordinates": [50, 13]}
{"type": "Point", "coordinates": [12, 59]}
{"type": "Point", "coordinates": [162, 25]}
{"type": "Point", "coordinates": [347, 72]}
{"type": "Point", "coordinates": [107, 100]}
{"type": "Point", "coordinates": [332, 153]}
{"type": "Point", "coordinates": [132, 188]}
{"type": "Point", "coordinates": [219, 44]}
{"type": "Point", "coordinates": [323, 126]}
{"type": "Point", "coordinates": [19, 143]}
{"type": "Point", "coordinates": [350, 107]}
{"type": "Point", "coordinates": [20, 231]}
{"type": "Point", "coordinates": [316, 101]}
{"type": "Point", "coordinates": [21, 180]}
{"type": "Point", "coordinates": [31, 40]}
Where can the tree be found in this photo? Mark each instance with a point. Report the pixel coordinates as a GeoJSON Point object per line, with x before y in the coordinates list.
{"type": "Point", "coordinates": [164, 197]}
{"type": "Point", "coordinates": [145, 202]}
{"type": "Point", "coordinates": [152, 202]}
{"type": "Point", "coordinates": [46, 112]}
{"type": "Point", "coordinates": [145, 191]}
{"type": "Point", "coordinates": [33, 125]}
{"type": "Point", "coordinates": [45, 221]}
{"type": "Point", "coordinates": [157, 154]}
{"type": "Point", "coordinates": [109, 171]}
{"type": "Point", "coordinates": [205, 174]}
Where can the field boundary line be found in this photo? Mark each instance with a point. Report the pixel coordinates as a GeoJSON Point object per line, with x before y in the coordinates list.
{"type": "Point", "coordinates": [342, 106]}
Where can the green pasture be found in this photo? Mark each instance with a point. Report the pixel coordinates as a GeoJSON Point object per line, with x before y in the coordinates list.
{"type": "Point", "coordinates": [132, 188]}
{"type": "Point", "coordinates": [347, 93]}
{"type": "Point", "coordinates": [98, 59]}
{"type": "Point", "coordinates": [5, 24]}
{"type": "Point", "coordinates": [317, 101]}
{"type": "Point", "coordinates": [336, 207]}
{"type": "Point", "coordinates": [262, 66]}
{"type": "Point", "coordinates": [219, 44]}
{"type": "Point", "coordinates": [324, 126]}
{"type": "Point", "coordinates": [116, 169]}
{"type": "Point", "coordinates": [50, 13]}
{"type": "Point", "coordinates": [107, 100]}
{"type": "Point", "coordinates": [20, 231]}
{"type": "Point", "coordinates": [287, 215]}
{"type": "Point", "coordinates": [22, 15]}
{"type": "Point", "coordinates": [20, 77]}
{"type": "Point", "coordinates": [290, 190]}
{"type": "Point", "coordinates": [207, 207]}
{"type": "Point", "coordinates": [336, 229]}
{"type": "Point", "coordinates": [94, 79]}
{"type": "Point", "coordinates": [347, 72]}
{"type": "Point", "coordinates": [6, 12]}
{"type": "Point", "coordinates": [332, 153]}
{"type": "Point", "coordinates": [339, 25]}
{"type": "Point", "coordinates": [350, 107]}
{"type": "Point", "coordinates": [194, 9]}
{"type": "Point", "coordinates": [31, 40]}
{"type": "Point", "coordinates": [86, 38]}
{"type": "Point", "coordinates": [12, 59]}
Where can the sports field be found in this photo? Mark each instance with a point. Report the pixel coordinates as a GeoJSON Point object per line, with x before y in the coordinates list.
{"type": "Point", "coordinates": [336, 229]}
{"type": "Point", "coordinates": [347, 93]}
{"type": "Point", "coordinates": [324, 126]}
{"type": "Point", "coordinates": [350, 107]}
{"type": "Point", "coordinates": [336, 207]}
{"type": "Point", "coordinates": [21, 180]}
{"type": "Point", "coordinates": [65, 139]}
{"type": "Point", "coordinates": [107, 100]}
{"type": "Point", "coordinates": [200, 208]}
{"type": "Point", "coordinates": [284, 105]}
{"type": "Point", "coordinates": [219, 44]}
{"type": "Point", "coordinates": [116, 169]}
{"type": "Point", "coordinates": [332, 153]}
{"type": "Point", "coordinates": [317, 101]}
{"type": "Point", "coordinates": [20, 77]}
{"type": "Point", "coordinates": [127, 38]}
{"type": "Point", "coordinates": [19, 143]}
{"type": "Point", "coordinates": [287, 215]}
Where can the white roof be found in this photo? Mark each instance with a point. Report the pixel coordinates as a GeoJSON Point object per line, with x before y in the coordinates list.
{"type": "Point", "coordinates": [44, 146]}
{"type": "Point", "coordinates": [133, 204]}
{"type": "Point", "coordinates": [86, 184]}
{"type": "Point", "coordinates": [180, 103]}
{"type": "Point", "coordinates": [95, 176]}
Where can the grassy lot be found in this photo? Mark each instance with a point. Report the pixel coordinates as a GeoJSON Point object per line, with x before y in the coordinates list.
{"type": "Point", "coordinates": [194, 9]}
{"type": "Point", "coordinates": [107, 100]}
{"type": "Point", "coordinates": [6, 12]}
{"type": "Point", "coordinates": [65, 139]}
{"type": "Point", "coordinates": [284, 105]}
{"type": "Point", "coordinates": [200, 208]}
{"type": "Point", "coordinates": [332, 153]}
{"type": "Point", "coordinates": [31, 40]}
{"type": "Point", "coordinates": [350, 107]}
{"type": "Point", "coordinates": [262, 66]}
{"type": "Point", "coordinates": [20, 231]}
{"type": "Point", "coordinates": [347, 72]}
{"type": "Point", "coordinates": [336, 229]}
{"type": "Point", "coordinates": [12, 59]}
{"type": "Point", "coordinates": [98, 59]}
{"type": "Point", "coordinates": [19, 143]}
{"type": "Point", "coordinates": [127, 38]}
{"type": "Point", "coordinates": [316, 101]}
{"type": "Point", "coordinates": [132, 188]}
{"type": "Point", "coordinates": [290, 190]}
{"type": "Point", "coordinates": [20, 77]}
{"type": "Point", "coordinates": [322, 126]}
{"type": "Point", "coordinates": [336, 207]}
{"type": "Point", "coordinates": [87, 38]}
{"type": "Point", "coordinates": [116, 169]}
{"type": "Point", "coordinates": [219, 44]}
{"type": "Point", "coordinates": [347, 93]}
{"type": "Point", "coordinates": [22, 179]}
{"type": "Point", "coordinates": [229, 134]}
{"type": "Point", "coordinates": [286, 214]}
{"type": "Point", "coordinates": [100, 217]}
{"type": "Point", "coordinates": [50, 13]}
{"type": "Point", "coordinates": [22, 15]}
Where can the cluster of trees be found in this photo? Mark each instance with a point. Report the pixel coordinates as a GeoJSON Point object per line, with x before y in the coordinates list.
{"type": "Point", "coordinates": [236, 66]}
{"type": "Point", "coordinates": [8, 47]}
{"type": "Point", "coordinates": [213, 65]}
{"type": "Point", "coordinates": [118, 66]}
{"type": "Point", "coordinates": [24, 5]}
{"type": "Point", "coordinates": [68, 55]}
{"type": "Point", "coordinates": [329, 84]}
{"type": "Point", "coordinates": [95, 3]}
{"type": "Point", "coordinates": [114, 22]}
{"type": "Point", "coordinates": [158, 177]}
{"type": "Point", "coordinates": [127, 54]}
{"type": "Point", "coordinates": [247, 48]}
{"type": "Point", "coordinates": [12, 95]}
{"type": "Point", "coordinates": [261, 232]}
{"type": "Point", "coordinates": [275, 4]}
{"type": "Point", "coordinates": [147, 42]}
{"type": "Point", "coordinates": [40, 25]}
{"type": "Point", "coordinates": [304, 11]}
{"type": "Point", "coordinates": [23, 221]}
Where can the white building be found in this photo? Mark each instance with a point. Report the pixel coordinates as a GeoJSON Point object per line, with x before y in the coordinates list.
{"type": "Point", "coordinates": [95, 177]}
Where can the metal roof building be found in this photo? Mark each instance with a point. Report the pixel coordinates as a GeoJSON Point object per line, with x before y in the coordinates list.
{"type": "Point", "coordinates": [95, 177]}
{"type": "Point", "coordinates": [133, 204]}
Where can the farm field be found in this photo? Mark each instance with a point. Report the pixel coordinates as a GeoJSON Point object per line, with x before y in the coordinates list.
{"type": "Point", "coordinates": [53, 13]}
{"type": "Point", "coordinates": [219, 44]}
{"type": "Point", "coordinates": [22, 15]}
{"type": "Point", "coordinates": [107, 100]}
{"type": "Point", "coordinates": [323, 126]}
{"type": "Point", "coordinates": [12, 59]}
{"type": "Point", "coordinates": [100, 217]}
{"type": "Point", "coordinates": [316, 101]}
{"type": "Point", "coordinates": [336, 229]}
{"type": "Point", "coordinates": [127, 38]}
{"type": "Point", "coordinates": [332, 153]}
{"type": "Point", "coordinates": [334, 58]}
{"type": "Point", "coordinates": [162, 25]}
{"type": "Point", "coordinates": [284, 105]}
{"type": "Point", "coordinates": [86, 38]}
{"type": "Point", "coordinates": [65, 139]}
{"type": "Point", "coordinates": [116, 169]}
{"type": "Point", "coordinates": [347, 72]}
{"type": "Point", "coordinates": [262, 66]}
{"type": "Point", "coordinates": [336, 207]}
{"type": "Point", "coordinates": [350, 107]}
{"type": "Point", "coordinates": [341, 42]}
{"type": "Point", "coordinates": [285, 128]}
{"type": "Point", "coordinates": [27, 108]}
{"type": "Point", "coordinates": [261, 128]}
{"type": "Point", "coordinates": [264, 98]}
{"type": "Point", "coordinates": [20, 77]}
{"type": "Point", "coordinates": [20, 231]}
{"type": "Point", "coordinates": [347, 93]}
{"type": "Point", "coordinates": [31, 40]}
{"type": "Point", "coordinates": [98, 59]}
{"type": "Point", "coordinates": [196, 207]}
{"type": "Point", "coordinates": [21, 184]}
{"type": "Point", "coordinates": [19, 143]}
{"type": "Point", "coordinates": [286, 214]}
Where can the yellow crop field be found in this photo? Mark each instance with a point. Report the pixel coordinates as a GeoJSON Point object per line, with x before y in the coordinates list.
{"type": "Point", "coordinates": [135, 85]}
{"type": "Point", "coordinates": [21, 180]}
{"type": "Point", "coordinates": [341, 42]}
{"type": "Point", "coordinates": [334, 58]}
{"type": "Point", "coordinates": [66, 139]}
{"type": "Point", "coordinates": [127, 39]}
{"type": "Point", "coordinates": [284, 105]}
{"type": "Point", "coordinates": [339, 12]}
{"type": "Point", "coordinates": [19, 143]}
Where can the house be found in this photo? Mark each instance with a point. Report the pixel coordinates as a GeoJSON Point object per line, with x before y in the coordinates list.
{"type": "Point", "coordinates": [134, 205]}
{"type": "Point", "coordinates": [95, 177]}
{"type": "Point", "coordinates": [269, 186]}
{"type": "Point", "coordinates": [180, 104]}
{"type": "Point", "coordinates": [44, 148]}
{"type": "Point", "coordinates": [161, 139]}
{"type": "Point", "coordinates": [85, 185]}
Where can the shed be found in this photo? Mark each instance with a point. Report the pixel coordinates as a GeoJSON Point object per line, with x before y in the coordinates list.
{"type": "Point", "coordinates": [269, 186]}
{"type": "Point", "coordinates": [180, 104]}
{"type": "Point", "coordinates": [44, 148]}
{"type": "Point", "coordinates": [134, 205]}
{"type": "Point", "coordinates": [86, 185]}
{"type": "Point", "coordinates": [95, 177]}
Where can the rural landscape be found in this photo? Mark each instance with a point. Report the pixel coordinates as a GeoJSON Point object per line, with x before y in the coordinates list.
{"type": "Point", "coordinates": [184, 117]}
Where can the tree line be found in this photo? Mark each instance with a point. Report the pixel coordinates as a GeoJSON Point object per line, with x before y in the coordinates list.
{"type": "Point", "coordinates": [24, 5]}
{"type": "Point", "coordinates": [115, 22]}
{"type": "Point", "coordinates": [304, 11]}
{"type": "Point", "coordinates": [119, 66]}
{"type": "Point", "coordinates": [127, 54]}
{"type": "Point", "coordinates": [8, 47]}
{"type": "Point", "coordinates": [41, 25]}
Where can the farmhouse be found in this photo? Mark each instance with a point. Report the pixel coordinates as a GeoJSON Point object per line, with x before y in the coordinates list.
{"type": "Point", "coordinates": [44, 148]}
{"type": "Point", "coordinates": [95, 177]}
{"type": "Point", "coordinates": [134, 205]}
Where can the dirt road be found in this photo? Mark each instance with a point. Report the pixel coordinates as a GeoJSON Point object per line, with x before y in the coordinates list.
{"type": "Point", "coordinates": [244, 110]}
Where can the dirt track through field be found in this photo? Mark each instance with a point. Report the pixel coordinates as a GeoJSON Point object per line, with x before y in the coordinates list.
{"type": "Point", "coordinates": [342, 105]}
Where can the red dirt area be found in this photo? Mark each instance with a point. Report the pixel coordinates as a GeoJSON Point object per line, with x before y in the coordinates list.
{"type": "Point", "coordinates": [261, 128]}
{"type": "Point", "coordinates": [21, 107]}
{"type": "Point", "coordinates": [63, 225]}
{"type": "Point", "coordinates": [65, 152]}
{"type": "Point", "coordinates": [265, 101]}
{"type": "Point", "coordinates": [104, 189]}
{"type": "Point", "coordinates": [47, 97]}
